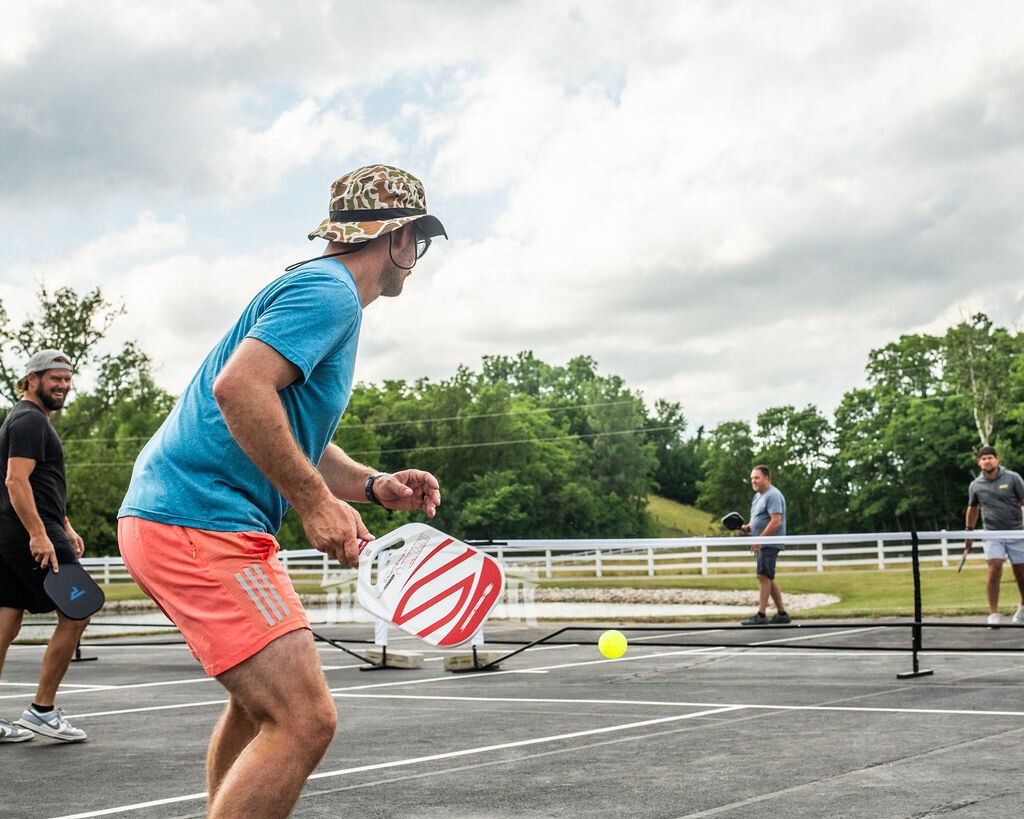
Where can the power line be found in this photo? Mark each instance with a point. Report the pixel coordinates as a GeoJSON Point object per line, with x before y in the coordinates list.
{"type": "Point", "coordinates": [437, 447]}
{"type": "Point", "coordinates": [364, 424]}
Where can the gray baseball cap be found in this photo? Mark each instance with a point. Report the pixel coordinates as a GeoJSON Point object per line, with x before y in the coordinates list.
{"type": "Point", "coordinates": [48, 360]}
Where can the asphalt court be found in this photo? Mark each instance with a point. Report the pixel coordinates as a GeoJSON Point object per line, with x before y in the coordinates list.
{"type": "Point", "coordinates": [557, 730]}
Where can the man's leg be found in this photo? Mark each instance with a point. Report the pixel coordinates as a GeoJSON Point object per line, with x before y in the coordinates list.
{"type": "Point", "coordinates": [764, 590]}
{"type": "Point", "coordinates": [279, 722]}
{"type": "Point", "coordinates": [776, 593]}
{"type": "Point", "coordinates": [234, 731]}
{"type": "Point", "coordinates": [59, 652]}
{"type": "Point", "coordinates": [1018, 575]}
{"type": "Point", "coordinates": [10, 625]}
{"type": "Point", "coordinates": [995, 576]}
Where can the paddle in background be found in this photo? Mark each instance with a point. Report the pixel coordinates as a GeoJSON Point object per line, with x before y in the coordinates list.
{"type": "Point", "coordinates": [732, 521]}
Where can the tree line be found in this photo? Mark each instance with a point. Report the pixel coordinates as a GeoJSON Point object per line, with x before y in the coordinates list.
{"type": "Point", "coordinates": [526, 449]}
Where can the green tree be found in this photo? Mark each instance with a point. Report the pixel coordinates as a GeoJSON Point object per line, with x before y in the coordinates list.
{"type": "Point", "coordinates": [679, 458]}
{"type": "Point", "coordinates": [795, 444]}
{"type": "Point", "coordinates": [726, 483]}
{"type": "Point", "coordinates": [978, 360]}
{"type": "Point", "coordinates": [103, 425]}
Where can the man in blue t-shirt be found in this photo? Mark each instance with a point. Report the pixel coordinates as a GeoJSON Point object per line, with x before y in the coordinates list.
{"type": "Point", "coordinates": [767, 518]}
{"type": "Point", "coordinates": [250, 438]}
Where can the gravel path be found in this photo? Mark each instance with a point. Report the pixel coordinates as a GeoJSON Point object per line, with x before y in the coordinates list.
{"type": "Point", "coordinates": [794, 602]}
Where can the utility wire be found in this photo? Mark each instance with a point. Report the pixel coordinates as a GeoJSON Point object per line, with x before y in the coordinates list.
{"type": "Point", "coordinates": [437, 447]}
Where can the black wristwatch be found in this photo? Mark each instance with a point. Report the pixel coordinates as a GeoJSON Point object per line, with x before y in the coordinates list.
{"type": "Point", "coordinates": [370, 496]}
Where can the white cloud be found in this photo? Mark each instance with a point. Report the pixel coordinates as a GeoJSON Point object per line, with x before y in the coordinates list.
{"type": "Point", "coordinates": [678, 190]}
{"type": "Point", "coordinates": [255, 162]}
{"type": "Point", "coordinates": [23, 30]}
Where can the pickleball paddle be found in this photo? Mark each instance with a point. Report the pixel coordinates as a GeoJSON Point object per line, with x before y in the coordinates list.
{"type": "Point", "coordinates": [732, 521]}
{"type": "Point", "coordinates": [73, 591]}
{"type": "Point", "coordinates": [433, 586]}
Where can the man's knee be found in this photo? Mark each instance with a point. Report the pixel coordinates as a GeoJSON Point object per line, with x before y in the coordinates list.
{"type": "Point", "coordinates": [72, 628]}
{"type": "Point", "coordinates": [310, 724]}
{"type": "Point", "coordinates": [297, 698]}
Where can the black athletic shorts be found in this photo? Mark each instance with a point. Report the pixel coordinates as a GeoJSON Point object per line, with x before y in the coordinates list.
{"type": "Point", "coordinates": [21, 579]}
{"type": "Point", "coordinates": [766, 561]}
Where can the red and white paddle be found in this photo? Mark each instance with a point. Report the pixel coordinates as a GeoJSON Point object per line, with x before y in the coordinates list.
{"type": "Point", "coordinates": [433, 586]}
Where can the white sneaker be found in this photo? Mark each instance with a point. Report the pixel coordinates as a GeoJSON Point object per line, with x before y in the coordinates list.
{"type": "Point", "coordinates": [994, 621]}
{"type": "Point", "coordinates": [9, 732]}
{"type": "Point", "coordinates": [51, 724]}
{"type": "Point", "coordinates": [1018, 618]}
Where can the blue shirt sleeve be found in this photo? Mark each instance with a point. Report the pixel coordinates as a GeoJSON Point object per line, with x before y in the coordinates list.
{"type": "Point", "coordinates": [308, 322]}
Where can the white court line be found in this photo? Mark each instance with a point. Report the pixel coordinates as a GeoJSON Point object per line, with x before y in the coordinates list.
{"type": "Point", "coordinates": [711, 709]}
{"type": "Point", "coordinates": [149, 708]}
{"type": "Point", "coordinates": [108, 646]}
{"type": "Point", "coordinates": [674, 634]}
{"type": "Point", "coordinates": [344, 692]}
{"type": "Point", "coordinates": [816, 636]}
{"type": "Point", "coordinates": [125, 687]}
{"type": "Point", "coordinates": [421, 759]}
{"type": "Point", "coordinates": [728, 705]}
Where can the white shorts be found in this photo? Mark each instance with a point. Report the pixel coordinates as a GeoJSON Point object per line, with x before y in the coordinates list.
{"type": "Point", "coordinates": [1004, 549]}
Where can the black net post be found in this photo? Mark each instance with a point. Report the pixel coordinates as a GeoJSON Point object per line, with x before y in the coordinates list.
{"type": "Point", "coordinates": [78, 658]}
{"type": "Point", "coordinates": [916, 628]}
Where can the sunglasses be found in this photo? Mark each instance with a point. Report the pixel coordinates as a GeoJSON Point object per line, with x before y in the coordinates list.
{"type": "Point", "coordinates": [422, 242]}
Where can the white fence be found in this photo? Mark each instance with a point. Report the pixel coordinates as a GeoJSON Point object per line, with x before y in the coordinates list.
{"type": "Point", "coordinates": [663, 557]}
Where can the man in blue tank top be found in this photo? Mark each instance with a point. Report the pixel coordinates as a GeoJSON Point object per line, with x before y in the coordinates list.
{"type": "Point", "coordinates": [250, 438]}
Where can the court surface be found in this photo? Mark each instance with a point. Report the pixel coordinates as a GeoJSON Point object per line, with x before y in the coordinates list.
{"type": "Point", "coordinates": [666, 731]}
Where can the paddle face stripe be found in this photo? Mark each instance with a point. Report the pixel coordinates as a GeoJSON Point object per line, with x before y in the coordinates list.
{"type": "Point", "coordinates": [462, 587]}
{"type": "Point", "coordinates": [435, 587]}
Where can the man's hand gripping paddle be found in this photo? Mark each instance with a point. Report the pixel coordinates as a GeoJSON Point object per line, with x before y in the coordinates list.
{"type": "Point", "coordinates": [434, 586]}
{"type": "Point", "coordinates": [73, 591]}
{"type": "Point", "coordinates": [732, 521]}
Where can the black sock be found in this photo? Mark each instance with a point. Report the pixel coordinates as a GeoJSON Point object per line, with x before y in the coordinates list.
{"type": "Point", "coordinates": [42, 709]}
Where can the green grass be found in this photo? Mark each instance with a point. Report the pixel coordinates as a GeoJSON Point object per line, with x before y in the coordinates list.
{"type": "Point", "coordinates": [678, 520]}
{"type": "Point", "coordinates": [888, 593]}
{"type": "Point", "coordinates": [872, 593]}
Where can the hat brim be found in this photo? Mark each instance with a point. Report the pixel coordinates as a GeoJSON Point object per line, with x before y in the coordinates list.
{"type": "Point", "coordinates": [365, 231]}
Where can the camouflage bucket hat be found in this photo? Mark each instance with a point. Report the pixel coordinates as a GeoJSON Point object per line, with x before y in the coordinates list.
{"type": "Point", "coordinates": [375, 200]}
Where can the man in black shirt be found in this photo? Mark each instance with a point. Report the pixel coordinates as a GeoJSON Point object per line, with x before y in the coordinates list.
{"type": "Point", "coordinates": [35, 535]}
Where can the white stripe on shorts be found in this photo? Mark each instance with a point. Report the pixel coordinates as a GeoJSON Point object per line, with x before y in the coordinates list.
{"type": "Point", "coordinates": [270, 587]}
{"type": "Point", "coordinates": [253, 596]}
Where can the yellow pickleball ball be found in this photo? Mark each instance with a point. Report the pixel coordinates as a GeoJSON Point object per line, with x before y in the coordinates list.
{"type": "Point", "coordinates": [612, 644]}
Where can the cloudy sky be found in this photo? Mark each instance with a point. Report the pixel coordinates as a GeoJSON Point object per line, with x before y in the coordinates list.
{"type": "Point", "coordinates": [728, 204]}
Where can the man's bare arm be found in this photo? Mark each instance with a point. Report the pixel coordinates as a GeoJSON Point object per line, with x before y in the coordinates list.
{"type": "Point", "coordinates": [409, 489]}
{"type": "Point", "coordinates": [24, 503]}
{"type": "Point", "coordinates": [246, 391]}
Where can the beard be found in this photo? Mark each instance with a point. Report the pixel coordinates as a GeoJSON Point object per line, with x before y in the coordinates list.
{"type": "Point", "coordinates": [392, 280]}
{"type": "Point", "coordinates": [50, 401]}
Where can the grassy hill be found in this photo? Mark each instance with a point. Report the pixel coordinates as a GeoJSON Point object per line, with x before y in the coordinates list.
{"type": "Point", "coordinates": [678, 520]}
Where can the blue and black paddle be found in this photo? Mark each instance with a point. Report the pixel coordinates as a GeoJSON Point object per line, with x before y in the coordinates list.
{"type": "Point", "coordinates": [73, 591]}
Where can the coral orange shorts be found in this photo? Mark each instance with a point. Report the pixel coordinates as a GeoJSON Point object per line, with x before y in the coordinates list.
{"type": "Point", "coordinates": [226, 592]}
